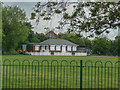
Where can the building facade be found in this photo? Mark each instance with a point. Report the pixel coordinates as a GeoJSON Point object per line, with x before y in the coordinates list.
{"type": "Point", "coordinates": [54, 47]}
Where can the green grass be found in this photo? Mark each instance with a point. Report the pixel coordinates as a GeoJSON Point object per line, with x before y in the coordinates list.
{"type": "Point", "coordinates": [56, 76]}
{"type": "Point", "coordinates": [68, 58]}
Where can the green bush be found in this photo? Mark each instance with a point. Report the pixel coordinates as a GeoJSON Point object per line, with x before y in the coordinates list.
{"type": "Point", "coordinates": [10, 53]}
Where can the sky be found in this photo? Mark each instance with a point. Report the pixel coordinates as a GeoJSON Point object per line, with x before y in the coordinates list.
{"type": "Point", "coordinates": [28, 7]}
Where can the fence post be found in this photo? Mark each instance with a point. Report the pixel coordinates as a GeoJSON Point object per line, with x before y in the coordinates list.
{"type": "Point", "coordinates": [80, 74]}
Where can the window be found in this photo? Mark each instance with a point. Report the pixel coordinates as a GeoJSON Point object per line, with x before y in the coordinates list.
{"type": "Point", "coordinates": [36, 48]}
{"type": "Point", "coordinates": [64, 48]}
{"type": "Point", "coordinates": [51, 35]}
{"type": "Point", "coordinates": [68, 48]}
{"type": "Point", "coordinates": [74, 48]}
{"type": "Point", "coordinates": [58, 48]}
{"type": "Point", "coordinates": [52, 47]}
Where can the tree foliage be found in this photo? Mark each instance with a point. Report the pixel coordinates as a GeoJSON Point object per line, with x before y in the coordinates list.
{"type": "Point", "coordinates": [71, 37]}
{"type": "Point", "coordinates": [36, 38]}
{"type": "Point", "coordinates": [93, 17]}
{"type": "Point", "coordinates": [101, 46]}
{"type": "Point", "coordinates": [115, 46]}
{"type": "Point", "coordinates": [0, 24]}
{"type": "Point", "coordinates": [76, 38]}
{"type": "Point", "coordinates": [14, 27]}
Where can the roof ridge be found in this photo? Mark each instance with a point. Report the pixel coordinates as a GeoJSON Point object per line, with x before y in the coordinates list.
{"type": "Point", "coordinates": [58, 42]}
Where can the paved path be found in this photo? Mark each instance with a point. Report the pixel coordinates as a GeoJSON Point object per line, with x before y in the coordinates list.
{"type": "Point", "coordinates": [106, 56]}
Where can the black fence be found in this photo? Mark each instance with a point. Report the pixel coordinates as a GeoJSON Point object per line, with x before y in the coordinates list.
{"type": "Point", "coordinates": [60, 74]}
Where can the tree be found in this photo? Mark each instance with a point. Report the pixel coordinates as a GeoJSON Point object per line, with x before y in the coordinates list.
{"type": "Point", "coordinates": [36, 38]}
{"type": "Point", "coordinates": [93, 17]}
{"type": "Point", "coordinates": [42, 37]}
{"type": "Point", "coordinates": [1, 34]}
{"type": "Point", "coordinates": [85, 42]}
{"type": "Point", "coordinates": [76, 38]}
{"type": "Point", "coordinates": [101, 46]}
{"type": "Point", "coordinates": [115, 46]}
{"type": "Point", "coordinates": [73, 37]}
{"type": "Point", "coordinates": [119, 46]}
{"type": "Point", "coordinates": [14, 27]}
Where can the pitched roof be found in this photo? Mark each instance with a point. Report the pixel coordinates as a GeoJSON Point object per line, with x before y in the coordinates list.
{"type": "Point", "coordinates": [55, 42]}
{"type": "Point", "coordinates": [51, 32]}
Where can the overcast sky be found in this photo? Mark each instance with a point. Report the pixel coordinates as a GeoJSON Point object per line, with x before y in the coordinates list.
{"type": "Point", "coordinates": [28, 7]}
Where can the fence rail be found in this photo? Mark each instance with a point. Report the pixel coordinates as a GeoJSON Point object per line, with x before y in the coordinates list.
{"type": "Point", "coordinates": [59, 74]}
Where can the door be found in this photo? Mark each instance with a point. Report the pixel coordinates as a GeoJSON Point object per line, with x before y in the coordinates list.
{"type": "Point", "coordinates": [24, 47]}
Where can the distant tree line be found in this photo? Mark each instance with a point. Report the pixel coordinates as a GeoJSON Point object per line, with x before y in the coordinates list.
{"type": "Point", "coordinates": [99, 46]}
{"type": "Point", "coordinates": [16, 29]}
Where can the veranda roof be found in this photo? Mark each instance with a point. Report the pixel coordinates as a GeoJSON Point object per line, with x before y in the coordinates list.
{"type": "Point", "coordinates": [55, 42]}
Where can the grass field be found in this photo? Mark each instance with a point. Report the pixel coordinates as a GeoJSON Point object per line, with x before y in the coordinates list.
{"type": "Point", "coordinates": [98, 72]}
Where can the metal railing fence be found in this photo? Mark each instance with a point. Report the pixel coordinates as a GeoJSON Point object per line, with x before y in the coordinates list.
{"type": "Point", "coordinates": [59, 74]}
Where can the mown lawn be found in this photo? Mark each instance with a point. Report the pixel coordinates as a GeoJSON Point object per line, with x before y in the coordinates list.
{"type": "Point", "coordinates": [58, 72]}
{"type": "Point", "coordinates": [50, 58]}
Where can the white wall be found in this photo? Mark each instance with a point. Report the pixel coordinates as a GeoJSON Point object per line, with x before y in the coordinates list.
{"type": "Point", "coordinates": [63, 54]}
{"type": "Point", "coordinates": [39, 53]}
{"type": "Point", "coordinates": [57, 53]}
{"type": "Point", "coordinates": [80, 54]}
